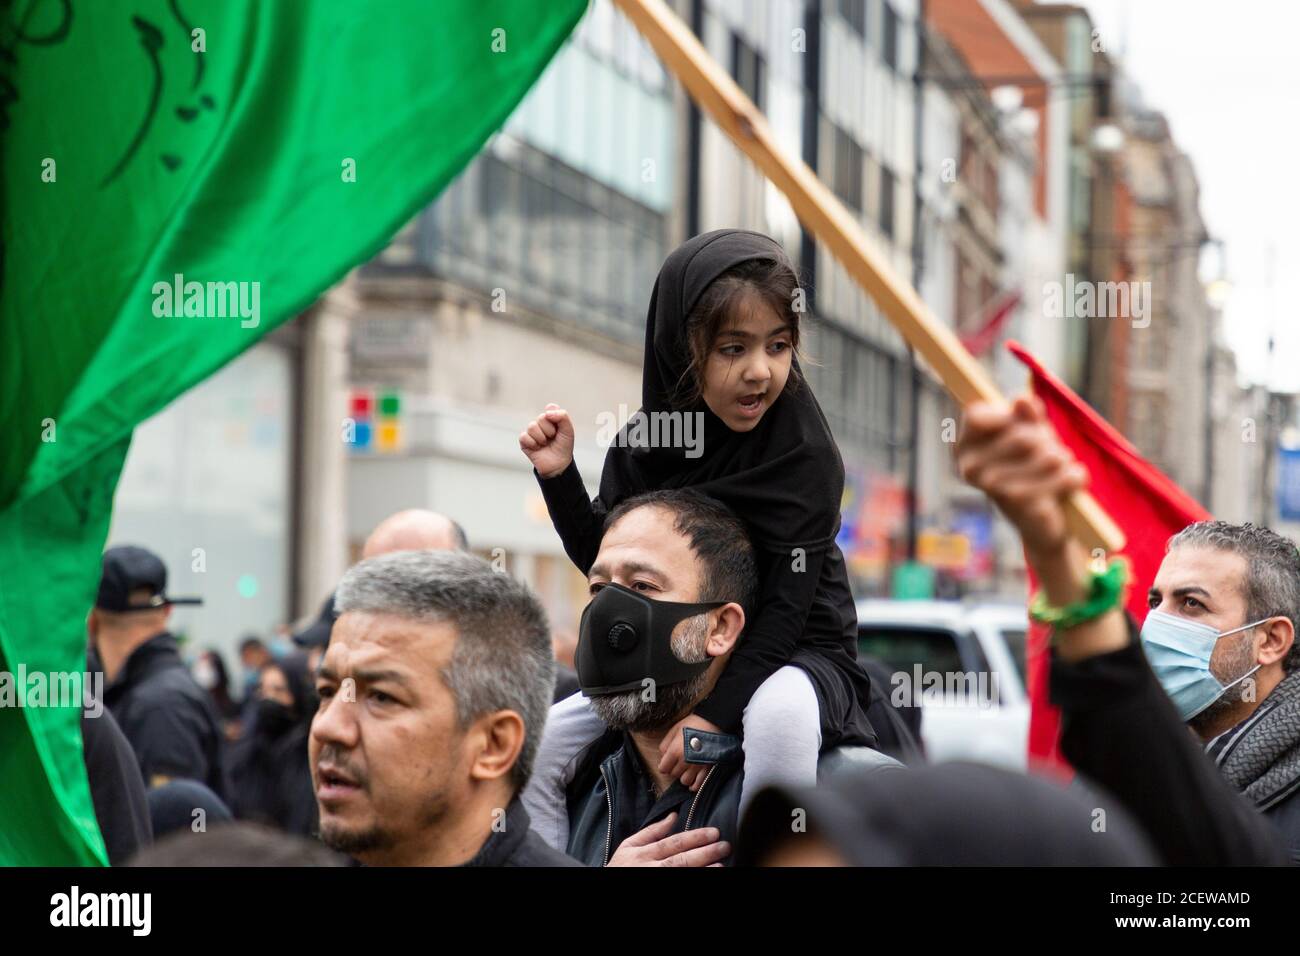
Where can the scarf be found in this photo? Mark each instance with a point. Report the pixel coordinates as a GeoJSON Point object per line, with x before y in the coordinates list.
{"type": "Point", "coordinates": [1260, 757]}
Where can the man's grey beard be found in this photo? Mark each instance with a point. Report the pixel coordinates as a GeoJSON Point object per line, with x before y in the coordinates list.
{"type": "Point", "coordinates": [1237, 664]}
{"type": "Point", "coordinates": [629, 710]}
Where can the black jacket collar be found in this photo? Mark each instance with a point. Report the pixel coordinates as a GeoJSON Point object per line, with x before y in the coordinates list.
{"type": "Point", "coordinates": [158, 653]}
{"type": "Point", "coordinates": [514, 844]}
{"type": "Point", "coordinates": [503, 841]}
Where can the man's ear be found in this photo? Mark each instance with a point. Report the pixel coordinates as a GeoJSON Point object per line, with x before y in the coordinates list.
{"type": "Point", "coordinates": [495, 744]}
{"type": "Point", "coordinates": [1279, 635]}
{"type": "Point", "coordinates": [725, 630]}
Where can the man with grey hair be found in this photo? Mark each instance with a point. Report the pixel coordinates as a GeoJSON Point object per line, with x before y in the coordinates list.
{"type": "Point", "coordinates": [1239, 585]}
{"type": "Point", "coordinates": [434, 691]}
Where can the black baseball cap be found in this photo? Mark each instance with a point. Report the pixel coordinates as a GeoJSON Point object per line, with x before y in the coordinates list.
{"type": "Point", "coordinates": [317, 633]}
{"type": "Point", "coordinates": [128, 568]}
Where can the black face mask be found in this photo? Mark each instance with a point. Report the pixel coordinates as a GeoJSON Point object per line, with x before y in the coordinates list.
{"type": "Point", "coordinates": [625, 639]}
{"type": "Point", "coordinates": [273, 718]}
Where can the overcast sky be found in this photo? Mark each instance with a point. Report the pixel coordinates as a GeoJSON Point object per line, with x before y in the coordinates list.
{"type": "Point", "coordinates": [1227, 76]}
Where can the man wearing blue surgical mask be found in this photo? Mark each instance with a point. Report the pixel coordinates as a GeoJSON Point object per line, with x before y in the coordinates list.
{"type": "Point", "coordinates": [1220, 638]}
{"type": "Point", "coordinates": [1215, 653]}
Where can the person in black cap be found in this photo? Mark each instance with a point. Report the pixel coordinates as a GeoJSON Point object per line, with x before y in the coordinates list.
{"type": "Point", "coordinates": [169, 720]}
{"type": "Point", "coordinates": [315, 637]}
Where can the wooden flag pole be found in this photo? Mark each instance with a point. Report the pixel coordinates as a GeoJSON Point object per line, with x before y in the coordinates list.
{"type": "Point", "coordinates": [713, 89]}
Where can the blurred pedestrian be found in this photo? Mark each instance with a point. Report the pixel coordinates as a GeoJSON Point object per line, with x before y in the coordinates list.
{"type": "Point", "coordinates": [253, 656]}
{"type": "Point", "coordinates": [270, 776]}
{"type": "Point", "coordinates": [315, 636]}
{"type": "Point", "coordinates": [415, 529]}
{"type": "Point", "coordinates": [185, 805]}
{"type": "Point", "coordinates": [170, 721]}
{"type": "Point", "coordinates": [209, 671]}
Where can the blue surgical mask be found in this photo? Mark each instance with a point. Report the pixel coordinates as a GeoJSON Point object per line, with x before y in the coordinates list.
{"type": "Point", "coordinates": [1179, 653]}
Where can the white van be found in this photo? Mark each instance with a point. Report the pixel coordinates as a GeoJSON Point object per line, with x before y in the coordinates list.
{"type": "Point", "coordinates": [964, 662]}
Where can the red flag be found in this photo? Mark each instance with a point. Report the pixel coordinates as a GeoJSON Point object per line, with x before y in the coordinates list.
{"type": "Point", "coordinates": [998, 311]}
{"type": "Point", "coordinates": [1144, 502]}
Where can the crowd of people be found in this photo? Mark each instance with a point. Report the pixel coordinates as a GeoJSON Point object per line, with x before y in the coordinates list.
{"type": "Point", "coordinates": [718, 712]}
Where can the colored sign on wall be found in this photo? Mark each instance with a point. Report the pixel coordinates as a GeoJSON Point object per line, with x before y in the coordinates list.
{"type": "Point", "coordinates": [375, 423]}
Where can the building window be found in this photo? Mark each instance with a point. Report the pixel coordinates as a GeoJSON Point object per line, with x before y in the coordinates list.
{"type": "Point", "coordinates": [846, 169]}
{"type": "Point", "coordinates": [853, 381]}
{"type": "Point", "coordinates": [747, 69]}
{"type": "Point", "coordinates": [886, 202]}
{"type": "Point", "coordinates": [889, 38]}
{"type": "Point", "coordinates": [570, 245]}
{"type": "Point", "coordinates": [854, 13]}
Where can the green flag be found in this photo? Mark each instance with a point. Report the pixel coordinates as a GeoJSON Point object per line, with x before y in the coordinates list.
{"type": "Point", "coordinates": [181, 176]}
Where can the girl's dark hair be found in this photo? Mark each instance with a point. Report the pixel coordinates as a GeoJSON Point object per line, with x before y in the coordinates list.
{"type": "Point", "coordinates": [774, 281]}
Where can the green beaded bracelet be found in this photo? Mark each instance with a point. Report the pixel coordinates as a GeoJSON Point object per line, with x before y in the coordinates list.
{"type": "Point", "coordinates": [1106, 590]}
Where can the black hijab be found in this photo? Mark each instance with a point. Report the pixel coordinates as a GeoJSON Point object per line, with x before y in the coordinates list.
{"type": "Point", "coordinates": [301, 688]}
{"type": "Point", "coordinates": [785, 477]}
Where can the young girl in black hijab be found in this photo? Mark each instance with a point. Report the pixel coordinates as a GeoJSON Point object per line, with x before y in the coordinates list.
{"type": "Point", "coordinates": [721, 336]}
